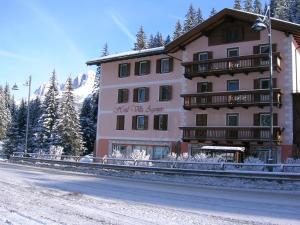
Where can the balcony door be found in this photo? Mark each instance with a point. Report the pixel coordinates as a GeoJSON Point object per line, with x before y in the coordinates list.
{"type": "Point", "coordinates": [232, 120]}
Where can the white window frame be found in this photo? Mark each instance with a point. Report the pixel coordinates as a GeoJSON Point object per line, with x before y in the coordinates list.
{"type": "Point", "coordinates": [264, 62]}
{"type": "Point", "coordinates": [139, 97]}
{"type": "Point", "coordinates": [122, 65]}
{"type": "Point", "coordinates": [138, 125]}
{"type": "Point", "coordinates": [232, 114]}
{"type": "Point", "coordinates": [261, 115]}
{"type": "Point", "coordinates": [202, 67]}
{"type": "Point", "coordinates": [167, 68]}
{"type": "Point", "coordinates": [228, 81]}
{"type": "Point", "coordinates": [233, 49]}
{"type": "Point", "coordinates": [140, 69]}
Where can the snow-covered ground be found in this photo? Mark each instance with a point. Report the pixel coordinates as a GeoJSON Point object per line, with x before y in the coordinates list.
{"type": "Point", "coordinates": [31, 195]}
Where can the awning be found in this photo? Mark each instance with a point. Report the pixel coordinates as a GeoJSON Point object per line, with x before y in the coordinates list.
{"type": "Point", "coordinates": [223, 148]}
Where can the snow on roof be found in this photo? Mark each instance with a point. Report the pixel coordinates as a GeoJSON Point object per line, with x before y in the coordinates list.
{"type": "Point", "coordinates": [128, 54]}
{"type": "Point", "coordinates": [223, 148]}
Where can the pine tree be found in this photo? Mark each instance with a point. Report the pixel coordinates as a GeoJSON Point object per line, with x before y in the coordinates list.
{"type": "Point", "coordinates": [178, 30]}
{"type": "Point", "coordinates": [141, 41]}
{"type": "Point", "coordinates": [105, 50]}
{"type": "Point", "coordinates": [273, 5]}
{"type": "Point", "coordinates": [5, 116]}
{"type": "Point", "coordinates": [248, 6]}
{"type": "Point", "coordinates": [199, 17]}
{"type": "Point", "coordinates": [167, 40]}
{"type": "Point", "coordinates": [190, 19]}
{"type": "Point", "coordinates": [67, 130]}
{"type": "Point", "coordinates": [50, 113]}
{"type": "Point", "coordinates": [257, 7]}
{"type": "Point", "coordinates": [282, 9]}
{"type": "Point", "coordinates": [296, 16]}
{"type": "Point", "coordinates": [237, 4]}
{"type": "Point", "coordinates": [151, 43]}
{"type": "Point", "coordinates": [213, 12]}
{"type": "Point", "coordinates": [88, 128]}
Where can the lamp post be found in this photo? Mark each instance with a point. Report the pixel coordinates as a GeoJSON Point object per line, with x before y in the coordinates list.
{"type": "Point", "coordinates": [260, 24]}
{"type": "Point", "coordinates": [15, 87]}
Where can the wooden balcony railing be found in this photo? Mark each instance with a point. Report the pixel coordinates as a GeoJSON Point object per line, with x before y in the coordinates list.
{"type": "Point", "coordinates": [241, 64]}
{"type": "Point", "coordinates": [231, 99]}
{"type": "Point", "coordinates": [259, 134]}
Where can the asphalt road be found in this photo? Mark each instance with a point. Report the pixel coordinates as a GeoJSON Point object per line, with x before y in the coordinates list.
{"type": "Point", "coordinates": [31, 195]}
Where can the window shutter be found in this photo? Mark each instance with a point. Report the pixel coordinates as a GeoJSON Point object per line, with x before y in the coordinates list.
{"type": "Point", "coordinates": [156, 122]}
{"type": "Point", "coordinates": [160, 93]}
{"type": "Point", "coordinates": [119, 73]}
{"type": "Point", "coordinates": [137, 68]}
{"type": "Point", "coordinates": [134, 123]}
{"type": "Point", "coordinates": [274, 47]}
{"type": "Point", "coordinates": [171, 62]}
{"type": "Point", "coordinates": [210, 55]}
{"type": "Point", "coordinates": [256, 84]}
{"type": "Point", "coordinates": [199, 87]}
{"type": "Point", "coordinates": [195, 57]}
{"type": "Point", "coordinates": [146, 94]}
{"type": "Point", "coordinates": [256, 119]}
{"type": "Point", "coordinates": [256, 49]}
{"type": "Point", "coordinates": [146, 122]}
{"type": "Point", "coordinates": [128, 69]}
{"type": "Point", "coordinates": [275, 119]}
{"type": "Point", "coordinates": [170, 92]}
{"type": "Point", "coordinates": [165, 122]}
{"type": "Point", "coordinates": [135, 95]}
{"type": "Point", "coordinates": [158, 66]}
{"type": "Point", "coordinates": [201, 120]}
{"type": "Point", "coordinates": [274, 81]}
{"type": "Point", "coordinates": [210, 87]}
{"type": "Point", "coordinates": [148, 67]}
{"type": "Point", "coordinates": [120, 96]}
{"type": "Point", "coordinates": [118, 123]}
{"type": "Point", "coordinates": [125, 95]}
{"type": "Point", "coordinates": [122, 122]}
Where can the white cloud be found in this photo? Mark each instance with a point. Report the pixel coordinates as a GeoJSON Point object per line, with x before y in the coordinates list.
{"type": "Point", "coordinates": [121, 25]}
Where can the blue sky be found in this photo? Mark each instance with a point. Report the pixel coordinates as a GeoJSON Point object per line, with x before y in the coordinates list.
{"type": "Point", "coordinates": [40, 35]}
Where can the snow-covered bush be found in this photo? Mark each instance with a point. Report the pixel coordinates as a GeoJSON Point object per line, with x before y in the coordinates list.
{"type": "Point", "coordinates": [253, 160]}
{"type": "Point", "coordinates": [293, 169]}
{"type": "Point", "coordinates": [137, 154]}
{"type": "Point", "coordinates": [55, 152]}
{"type": "Point", "coordinates": [117, 154]}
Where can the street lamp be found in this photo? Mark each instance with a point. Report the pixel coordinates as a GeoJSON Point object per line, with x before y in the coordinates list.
{"type": "Point", "coordinates": [260, 24]}
{"type": "Point", "coordinates": [15, 87]}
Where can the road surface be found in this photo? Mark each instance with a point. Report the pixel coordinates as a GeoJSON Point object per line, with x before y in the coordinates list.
{"type": "Point", "coordinates": [31, 195]}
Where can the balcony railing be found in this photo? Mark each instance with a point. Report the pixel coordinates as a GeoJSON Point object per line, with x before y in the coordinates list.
{"type": "Point", "coordinates": [231, 99]}
{"type": "Point", "coordinates": [241, 64]}
{"type": "Point", "coordinates": [259, 134]}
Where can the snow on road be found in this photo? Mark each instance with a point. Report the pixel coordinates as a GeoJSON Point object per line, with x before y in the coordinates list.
{"type": "Point", "coordinates": [30, 195]}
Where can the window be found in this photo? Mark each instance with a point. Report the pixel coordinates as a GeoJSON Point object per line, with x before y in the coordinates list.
{"type": "Point", "coordinates": [141, 94]}
{"type": "Point", "coordinates": [265, 119]}
{"type": "Point", "coordinates": [160, 122]}
{"type": "Point", "coordinates": [264, 49]}
{"type": "Point", "coordinates": [232, 52]}
{"type": "Point", "coordinates": [233, 85]}
{"type": "Point", "coordinates": [165, 66]}
{"type": "Point", "coordinates": [124, 70]}
{"type": "Point", "coordinates": [142, 68]}
{"type": "Point", "coordinates": [140, 122]}
{"type": "Point", "coordinates": [202, 56]}
{"type": "Point", "coordinates": [264, 83]}
{"type": "Point", "coordinates": [123, 95]}
{"type": "Point", "coordinates": [116, 148]}
{"type": "Point", "coordinates": [204, 87]}
{"type": "Point", "coordinates": [232, 119]}
{"type": "Point", "coordinates": [165, 93]}
{"type": "Point", "coordinates": [160, 152]}
{"type": "Point", "coordinates": [120, 122]}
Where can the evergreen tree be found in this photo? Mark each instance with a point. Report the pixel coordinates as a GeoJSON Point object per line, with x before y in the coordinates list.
{"type": "Point", "coordinates": [50, 113]}
{"type": "Point", "coordinates": [88, 128]}
{"type": "Point", "coordinates": [67, 128]}
{"type": "Point", "coordinates": [296, 14]}
{"type": "Point", "coordinates": [5, 116]}
{"type": "Point", "coordinates": [178, 30]}
{"type": "Point", "coordinates": [151, 41]}
{"type": "Point", "coordinates": [282, 9]}
{"type": "Point", "coordinates": [213, 12]}
{"type": "Point", "coordinates": [237, 4]}
{"type": "Point", "coordinates": [105, 50]}
{"type": "Point", "coordinates": [248, 6]}
{"type": "Point", "coordinates": [141, 41]}
{"type": "Point", "coordinates": [156, 41]}
{"type": "Point", "coordinates": [257, 7]}
{"type": "Point", "coordinates": [167, 40]}
{"type": "Point", "coordinates": [190, 19]}
{"type": "Point", "coordinates": [273, 5]}
{"type": "Point", "coordinates": [199, 17]}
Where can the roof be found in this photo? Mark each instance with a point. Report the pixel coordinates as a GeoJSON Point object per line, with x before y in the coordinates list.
{"type": "Point", "coordinates": [127, 55]}
{"type": "Point", "coordinates": [202, 28]}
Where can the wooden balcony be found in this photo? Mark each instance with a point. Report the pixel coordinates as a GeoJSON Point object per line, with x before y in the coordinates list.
{"type": "Point", "coordinates": [231, 66]}
{"type": "Point", "coordinates": [231, 99]}
{"type": "Point", "coordinates": [258, 134]}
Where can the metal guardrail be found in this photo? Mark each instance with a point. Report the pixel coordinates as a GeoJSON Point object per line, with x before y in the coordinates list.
{"type": "Point", "coordinates": [242, 170]}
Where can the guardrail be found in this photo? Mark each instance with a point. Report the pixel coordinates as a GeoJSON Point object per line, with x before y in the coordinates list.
{"type": "Point", "coordinates": [172, 166]}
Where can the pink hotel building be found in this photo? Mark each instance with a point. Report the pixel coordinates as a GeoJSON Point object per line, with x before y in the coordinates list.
{"type": "Point", "coordinates": [207, 88]}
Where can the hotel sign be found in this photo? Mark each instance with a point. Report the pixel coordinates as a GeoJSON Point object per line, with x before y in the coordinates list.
{"type": "Point", "coordinates": [138, 109]}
